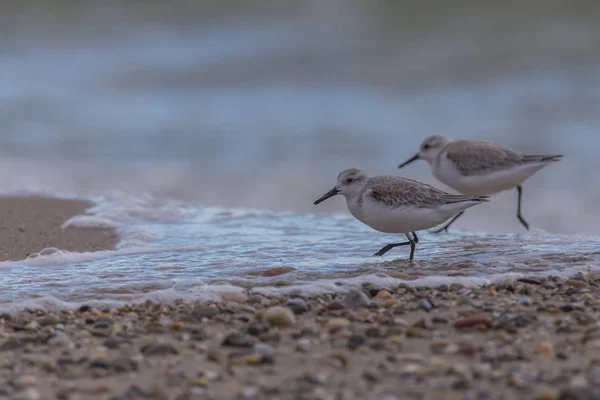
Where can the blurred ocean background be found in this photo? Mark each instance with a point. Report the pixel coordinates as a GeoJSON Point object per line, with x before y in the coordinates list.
{"type": "Point", "coordinates": [239, 105]}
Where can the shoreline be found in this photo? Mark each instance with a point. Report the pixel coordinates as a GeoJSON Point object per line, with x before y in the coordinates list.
{"type": "Point", "coordinates": [526, 339]}
{"type": "Point", "coordinates": [33, 223]}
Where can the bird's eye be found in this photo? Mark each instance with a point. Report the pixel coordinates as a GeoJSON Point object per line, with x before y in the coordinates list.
{"type": "Point", "coordinates": [426, 146]}
{"type": "Point", "coordinates": [349, 180]}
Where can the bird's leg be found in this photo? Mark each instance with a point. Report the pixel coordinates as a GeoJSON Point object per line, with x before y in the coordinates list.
{"type": "Point", "coordinates": [412, 242]}
{"type": "Point", "coordinates": [525, 224]}
{"type": "Point", "coordinates": [445, 227]}
{"type": "Point", "coordinates": [390, 246]}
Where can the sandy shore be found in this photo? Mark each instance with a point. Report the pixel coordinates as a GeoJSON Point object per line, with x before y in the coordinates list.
{"type": "Point", "coordinates": [30, 224]}
{"type": "Point", "coordinates": [533, 339]}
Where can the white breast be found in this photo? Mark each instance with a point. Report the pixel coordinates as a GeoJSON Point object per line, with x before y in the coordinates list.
{"type": "Point", "coordinates": [483, 184]}
{"type": "Point", "coordinates": [384, 218]}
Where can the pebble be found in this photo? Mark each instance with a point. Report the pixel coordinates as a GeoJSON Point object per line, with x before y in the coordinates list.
{"type": "Point", "coordinates": [545, 348]}
{"type": "Point", "coordinates": [473, 321]}
{"type": "Point", "coordinates": [159, 349]}
{"type": "Point", "coordinates": [357, 299]}
{"type": "Point", "coordinates": [336, 305]}
{"type": "Point", "coordinates": [236, 297]}
{"type": "Point", "coordinates": [236, 339]}
{"type": "Point", "coordinates": [204, 312]}
{"type": "Point", "coordinates": [49, 320]}
{"type": "Point", "coordinates": [336, 324]}
{"type": "Point", "coordinates": [427, 305]}
{"type": "Point", "coordinates": [525, 301]}
{"type": "Point", "coordinates": [382, 295]}
{"type": "Point", "coordinates": [544, 393]}
{"type": "Point", "coordinates": [297, 305]}
{"type": "Point", "coordinates": [282, 317]}
{"type": "Point", "coordinates": [28, 394]}
{"type": "Point", "coordinates": [276, 271]}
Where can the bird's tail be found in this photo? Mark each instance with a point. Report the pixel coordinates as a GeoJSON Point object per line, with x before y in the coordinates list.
{"type": "Point", "coordinates": [542, 157]}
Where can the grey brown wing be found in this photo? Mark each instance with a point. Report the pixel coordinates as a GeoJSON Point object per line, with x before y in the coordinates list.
{"type": "Point", "coordinates": [473, 158]}
{"type": "Point", "coordinates": [399, 192]}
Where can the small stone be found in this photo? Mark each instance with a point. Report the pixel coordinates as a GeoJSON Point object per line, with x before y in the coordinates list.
{"type": "Point", "coordinates": [11, 344]}
{"type": "Point", "coordinates": [276, 271]}
{"type": "Point", "coordinates": [357, 299]}
{"type": "Point", "coordinates": [279, 316]}
{"type": "Point", "coordinates": [159, 349]}
{"type": "Point", "coordinates": [297, 305]}
{"type": "Point", "coordinates": [336, 305]}
{"type": "Point", "coordinates": [32, 326]}
{"type": "Point", "coordinates": [335, 324]}
{"type": "Point", "coordinates": [383, 294]}
{"type": "Point", "coordinates": [176, 326]}
{"type": "Point", "coordinates": [544, 393]}
{"type": "Point", "coordinates": [49, 320]}
{"type": "Point", "coordinates": [237, 339]}
{"type": "Point", "coordinates": [525, 301]}
{"type": "Point", "coordinates": [392, 303]}
{"type": "Point", "coordinates": [28, 394]}
{"type": "Point", "coordinates": [473, 321]}
{"type": "Point", "coordinates": [25, 381]}
{"type": "Point", "coordinates": [102, 327]}
{"type": "Point", "coordinates": [204, 312]}
{"type": "Point", "coordinates": [427, 305]}
{"type": "Point", "coordinates": [544, 347]}
{"type": "Point", "coordinates": [355, 341]}
{"type": "Point", "coordinates": [235, 297]}
{"type": "Point", "coordinates": [436, 319]}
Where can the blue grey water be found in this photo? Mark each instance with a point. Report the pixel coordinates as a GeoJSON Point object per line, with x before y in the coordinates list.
{"type": "Point", "coordinates": [204, 134]}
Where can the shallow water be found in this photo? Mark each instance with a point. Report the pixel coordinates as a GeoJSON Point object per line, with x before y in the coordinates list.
{"type": "Point", "coordinates": [174, 250]}
{"type": "Point", "coordinates": [241, 105]}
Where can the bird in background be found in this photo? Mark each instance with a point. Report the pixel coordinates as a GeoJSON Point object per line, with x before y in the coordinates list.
{"type": "Point", "coordinates": [479, 168]}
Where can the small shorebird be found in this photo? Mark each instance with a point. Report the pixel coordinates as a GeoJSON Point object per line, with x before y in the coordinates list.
{"type": "Point", "coordinates": [478, 168]}
{"type": "Point", "coordinates": [392, 204]}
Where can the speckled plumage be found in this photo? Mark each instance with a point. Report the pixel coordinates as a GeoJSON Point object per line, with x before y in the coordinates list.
{"type": "Point", "coordinates": [395, 191]}
{"type": "Point", "coordinates": [474, 157]}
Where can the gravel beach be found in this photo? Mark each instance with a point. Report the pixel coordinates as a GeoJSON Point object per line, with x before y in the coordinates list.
{"type": "Point", "coordinates": [31, 224]}
{"type": "Point", "coordinates": [528, 339]}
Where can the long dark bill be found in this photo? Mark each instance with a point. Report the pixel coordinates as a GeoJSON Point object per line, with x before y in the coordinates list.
{"type": "Point", "coordinates": [327, 195]}
{"type": "Point", "coordinates": [413, 158]}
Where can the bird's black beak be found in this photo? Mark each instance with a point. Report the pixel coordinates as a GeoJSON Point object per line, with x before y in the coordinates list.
{"type": "Point", "coordinates": [327, 195]}
{"type": "Point", "coordinates": [413, 158]}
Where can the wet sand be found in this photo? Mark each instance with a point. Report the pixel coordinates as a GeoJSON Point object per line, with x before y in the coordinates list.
{"type": "Point", "coordinates": [31, 224]}
{"type": "Point", "coordinates": [532, 339]}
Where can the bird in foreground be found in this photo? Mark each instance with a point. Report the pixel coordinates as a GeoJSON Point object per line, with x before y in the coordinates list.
{"type": "Point", "coordinates": [478, 168]}
{"type": "Point", "coordinates": [391, 204]}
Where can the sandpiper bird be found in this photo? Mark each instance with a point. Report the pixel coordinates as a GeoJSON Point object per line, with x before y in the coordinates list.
{"type": "Point", "coordinates": [478, 168]}
{"type": "Point", "coordinates": [392, 204]}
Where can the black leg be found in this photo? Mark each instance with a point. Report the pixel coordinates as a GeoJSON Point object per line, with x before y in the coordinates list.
{"type": "Point", "coordinates": [412, 241]}
{"type": "Point", "coordinates": [445, 227]}
{"type": "Point", "coordinates": [525, 224]}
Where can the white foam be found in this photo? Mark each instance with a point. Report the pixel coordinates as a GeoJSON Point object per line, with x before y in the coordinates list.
{"type": "Point", "coordinates": [89, 222]}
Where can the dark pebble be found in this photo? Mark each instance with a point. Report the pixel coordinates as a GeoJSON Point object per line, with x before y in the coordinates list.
{"type": "Point", "coordinates": [84, 308]}
{"type": "Point", "coordinates": [204, 312]}
{"type": "Point", "coordinates": [377, 346]}
{"type": "Point", "coordinates": [112, 343]}
{"type": "Point", "coordinates": [297, 305]}
{"type": "Point", "coordinates": [436, 319]}
{"type": "Point", "coordinates": [355, 341]}
{"type": "Point", "coordinates": [336, 305]}
{"type": "Point", "coordinates": [442, 288]}
{"type": "Point", "coordinates": [256, 328]}
{"type": "Point", "coordinates": [11, 344]}
{"type": "Point", "coordinates": [531, 281]}
{"type": "Point", "coordinates": [375, 332]}
{"type": "Point", "coordinates": [159, 349]}
{"type": "Point", "coordinates": [237, 339]}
